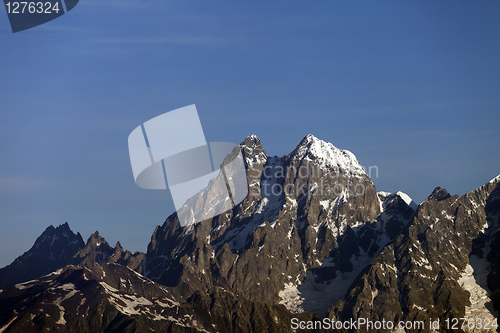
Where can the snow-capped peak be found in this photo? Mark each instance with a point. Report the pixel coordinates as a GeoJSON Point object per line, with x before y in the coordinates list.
{"type": "Point", "coordinates": [383, 196]}
{"type": "Point", "coordinates": [326, 155]}
{"type": "Point", "coordinates": [407, 199]}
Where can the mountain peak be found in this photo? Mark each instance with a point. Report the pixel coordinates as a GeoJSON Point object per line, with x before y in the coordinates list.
{"type": "Point", "coordinates": [439, 194]}
{"type": "Point", "coordinates": [252, 142]}
{"type": "Point", "coordinates": [52, 234]}
{"type": "Point", "coordinates": [63, 228]}
{"type": "Point", "coordinates": [51, 250]}
{"type": "Point", "coordinates": [409, 201]}
{"type": "Point", "coordinates": [252, 137]}
{"type": "Point", "coordinates": [49, 229]}
{"type": "Point", "coordinates": [310, 137]}
{"type": "Point", "coordinates": [253, 151]}
{"type": "Point", "coordinates": [326, 155]}
{"type": "Point", "coordinates": [95, 240]}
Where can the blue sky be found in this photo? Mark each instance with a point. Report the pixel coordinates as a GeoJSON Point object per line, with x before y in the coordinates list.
{"type": "Point", "coordinates": [412, 87]}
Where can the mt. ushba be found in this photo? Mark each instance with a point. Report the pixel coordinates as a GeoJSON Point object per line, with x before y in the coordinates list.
{"type": "Point", "coordinates": [312, 239]}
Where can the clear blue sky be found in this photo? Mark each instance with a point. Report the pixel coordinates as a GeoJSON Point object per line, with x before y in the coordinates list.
{"type": "Point", "coordinates": [412, 87]}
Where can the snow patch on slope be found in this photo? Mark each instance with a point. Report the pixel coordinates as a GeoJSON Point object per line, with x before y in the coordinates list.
{"type": "Point", "coordinates": [474, 281]}
{"type": "Point", "coordinates": [266, 211]}
{"type": "Point", "coordinates": [130, 302]}
{"type": "Point", "coordinates": [72, 291]}
{"type": "Point", "coordinates": [309, 296]}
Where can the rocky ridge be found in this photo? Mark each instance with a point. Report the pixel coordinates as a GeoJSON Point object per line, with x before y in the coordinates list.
{"type": "Point", "coordinates": [313, 238]}
{"type": "Point", "coordinates": [57, 247]}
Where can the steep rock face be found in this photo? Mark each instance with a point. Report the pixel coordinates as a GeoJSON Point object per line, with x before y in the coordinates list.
{"type": "Point", "coordinates": [300, 208]}
{"type": "Point", "coordinates": [437, 268]}
{"type": "Point", "coordinates": [357, 246]}
{"type": "Point", "coordinates": [492, 242]}
{"type": "Point", "coordinates": [53, 249]}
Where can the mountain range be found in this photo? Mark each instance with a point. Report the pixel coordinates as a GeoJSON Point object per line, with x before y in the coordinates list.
{"type": "Point", "coordinates": [312, 240]}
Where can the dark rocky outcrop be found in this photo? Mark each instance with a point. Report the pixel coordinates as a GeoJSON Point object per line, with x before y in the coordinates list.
{"type": "Point", "coordinates": [53, 249]}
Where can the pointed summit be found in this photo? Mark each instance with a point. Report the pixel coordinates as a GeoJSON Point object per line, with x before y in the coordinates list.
{"type": "Point", "coordinates": [252, 137]}
{"type": "Point", "coordinates": [387, 199]}
{"type": "Point", "coordinates": [96, 249]}
{"type": "Point", "coordinates": [253, 153]}
{"type": "Point", "coordinates": [62, 236]}
{"type": "Point", "coordinates": [64, 226]}
{"type": "Point", "coordinates": [53, 249]}
{"type": "Point", "coordinates": [439, 194]}
{"type": "Point", "coordinates": [409, 201]}
{"type": "Point", "coordinates": [326, 155]}
{"type": "Point", "coordinates": [96, 240]}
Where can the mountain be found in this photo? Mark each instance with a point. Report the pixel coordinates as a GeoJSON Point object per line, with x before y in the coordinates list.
{"type": "Point", "coordinates": [58, 247]}
{"type": "Point", "coordinates": [312, 239]}
{"type": "Point", "coordinates": [54, 249]}
{"type": "Point", "coordinates": [311, 222]}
